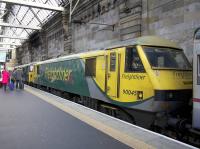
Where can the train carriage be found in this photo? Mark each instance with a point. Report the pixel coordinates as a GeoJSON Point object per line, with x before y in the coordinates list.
{"type": "Point", "coordinates": [145, 76]}
{"type": "Point", "coordinates": [196, 79]}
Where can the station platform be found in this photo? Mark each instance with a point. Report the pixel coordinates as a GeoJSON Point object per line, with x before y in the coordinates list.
{"type": "Point", "coordinates": [34, 119]}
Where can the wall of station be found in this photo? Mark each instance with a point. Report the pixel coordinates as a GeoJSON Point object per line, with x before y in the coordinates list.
{"type": "Point", "coordinates": [172, 19]}
{"type": "Point", "coordinates": [123, 19]}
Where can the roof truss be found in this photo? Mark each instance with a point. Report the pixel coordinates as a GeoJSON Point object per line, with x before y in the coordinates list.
{"type": "Point", "coordinates": [22, 17]}
{"type": "Point", "coordinates": [34, 5]}
{"type": "Point", "coordinates": [9, 43]}
{"type": "Point", "coordinates": [20, 26]}
{"type": "Point", "coordinates": [12, 37]}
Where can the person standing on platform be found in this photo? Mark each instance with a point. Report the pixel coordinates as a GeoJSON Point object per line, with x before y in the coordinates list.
{"type": "Point", "coordinates": [18, 78]}
{"type": "Point", "coordinates": [5, 78]}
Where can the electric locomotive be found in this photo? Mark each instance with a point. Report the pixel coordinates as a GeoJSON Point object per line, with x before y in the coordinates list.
{"type": "Point", "coordinates": [149, 78]}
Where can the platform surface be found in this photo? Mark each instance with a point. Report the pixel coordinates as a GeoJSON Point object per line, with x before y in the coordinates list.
{"type": "Point", "coordinates": [27, 122]}
{"type": "Point", "coordinates": [35, 119]}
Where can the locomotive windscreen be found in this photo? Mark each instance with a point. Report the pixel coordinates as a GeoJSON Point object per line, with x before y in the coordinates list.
{"type": "Point", "coordinates": [167, 58]}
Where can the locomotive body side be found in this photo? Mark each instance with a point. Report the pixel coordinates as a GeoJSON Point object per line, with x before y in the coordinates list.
{"type": "Point", "coordinates": [108, 76]}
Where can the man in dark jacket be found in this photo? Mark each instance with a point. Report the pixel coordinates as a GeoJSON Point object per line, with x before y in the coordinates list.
{"type": "Point", "coordinates": [18, 75]}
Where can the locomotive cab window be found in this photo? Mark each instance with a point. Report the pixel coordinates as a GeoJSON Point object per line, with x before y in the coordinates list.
{"type": "Point", "coordinates": [90, 67]}
{"type": "Point", "coordinates": [198, 69]}
{"type": "Point", "coordinates": [133, 61]}
{"type": "Point", "coordinates": [167, 58]}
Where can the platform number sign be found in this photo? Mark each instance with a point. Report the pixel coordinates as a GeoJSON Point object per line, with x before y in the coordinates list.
{"type": "Point", "coordinates": [198, 69]}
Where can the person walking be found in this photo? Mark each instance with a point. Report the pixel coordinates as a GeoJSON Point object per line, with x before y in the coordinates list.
{"type": "Point", "coordinates": [5, 78]}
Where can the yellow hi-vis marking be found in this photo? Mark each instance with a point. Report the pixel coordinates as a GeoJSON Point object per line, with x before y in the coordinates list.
{"type": "Point", "coordinates": [114, 133]}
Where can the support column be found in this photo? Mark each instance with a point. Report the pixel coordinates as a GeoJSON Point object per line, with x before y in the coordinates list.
{"type": "Point", "coordinates": [44, 49]}
{"type": "Point", "coordinates": [67, 32]}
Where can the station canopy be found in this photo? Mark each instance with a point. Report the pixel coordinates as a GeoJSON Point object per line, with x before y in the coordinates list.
{"type": "Point", "coordinates": [20, 18]}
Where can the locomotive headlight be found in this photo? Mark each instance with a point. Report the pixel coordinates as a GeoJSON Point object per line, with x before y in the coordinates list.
{"type": "Point", "coordinates": [170, 95]}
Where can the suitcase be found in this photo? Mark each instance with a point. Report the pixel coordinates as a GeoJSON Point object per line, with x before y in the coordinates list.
{"type": "Point", "coordinates": [11, 86]}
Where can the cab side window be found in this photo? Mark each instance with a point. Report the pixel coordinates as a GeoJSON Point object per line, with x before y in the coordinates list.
{"type": "Point", "coordinates": [133, 61]}
{"type": "Point", "coordinates": [90, 67]}
{"type": "Point", "coordinates": [112, 61]}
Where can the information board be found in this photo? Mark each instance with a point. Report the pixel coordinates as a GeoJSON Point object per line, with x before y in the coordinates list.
{"type": "Point", "coordinates": [2, 56]}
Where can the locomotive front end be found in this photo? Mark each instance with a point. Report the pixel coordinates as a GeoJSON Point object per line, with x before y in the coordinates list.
{"type": "Point", "coordinates": [171, 77]}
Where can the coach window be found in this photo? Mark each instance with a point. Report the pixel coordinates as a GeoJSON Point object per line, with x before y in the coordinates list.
{"type": "Point", "coordinates": [198, 69]}
{"type": "Point", "coordinates": [112, 61]}
{"type": "Point", "coordinates": [90, 67]}
{"type": "Point", "coordinates": [133, 61]}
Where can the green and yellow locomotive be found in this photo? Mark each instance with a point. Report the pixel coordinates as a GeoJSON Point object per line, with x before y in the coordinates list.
{"type": "Point", "coordinates": [144, 77]}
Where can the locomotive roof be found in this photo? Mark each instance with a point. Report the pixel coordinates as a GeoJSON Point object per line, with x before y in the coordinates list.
{"type": "Point", "coordinates": [148, 41]}
{"type": "Point", "coordinates": [24, 65]}
{"type": "Point", "coordinates": [145, 41]}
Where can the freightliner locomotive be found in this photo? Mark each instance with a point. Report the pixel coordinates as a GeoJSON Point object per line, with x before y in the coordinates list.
{"type": "Point", "coordinates": [146, 81]}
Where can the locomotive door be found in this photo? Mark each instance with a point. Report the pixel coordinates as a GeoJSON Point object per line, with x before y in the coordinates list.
{"type": "Point", "coordinates": [112, 74]}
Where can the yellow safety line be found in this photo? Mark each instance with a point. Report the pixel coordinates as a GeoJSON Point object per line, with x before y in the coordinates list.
{"type": "Point", "coordinates": [120, 136]}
